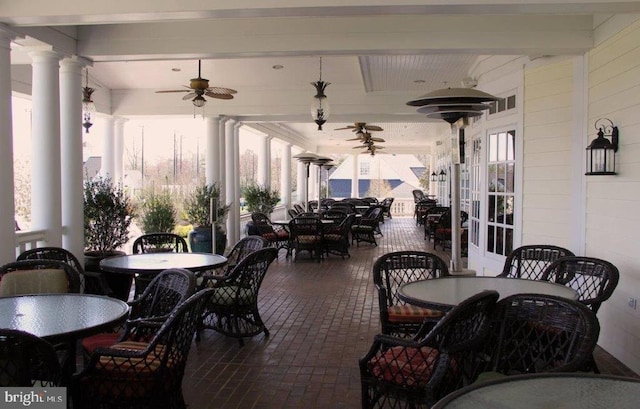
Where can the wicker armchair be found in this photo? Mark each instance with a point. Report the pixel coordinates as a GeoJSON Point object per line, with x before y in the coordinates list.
{"type": "Point", "coordinates": [336, 236]}
{"type": "Point", "coordinates": [233, 308]}
{"type": "Point", "coordinates": [443, 230]}
{"type": "Point", "coordinates": [366, 228]}
{"type": "Point", "coordinates": [530, 261]}
{"type": "Point", "coordinates": [422, 209]}
{"type": "Point", "coordinates": [431, 219]}
{"type": "Point", "coordinates": [415, 373]}
{"type": "Point", "coordinates": [160, 243]}
{"type": "Point", "coordinates": [386, 204]}
{"type": "Point", "coordinates": [241, 249]}
{"type": "Point", "coordinates": [393, 270]}
{"type": "Point", "coordinates": [277, 236]}
{"type": "Point", "coordinates": [307, 234]}
{"type": "Point", "coordinates": [92, 282]}
{"type": "Point", "coordinates": [37, 276]}
{"type": "Point", "coordinates": [27, 360]}
{"type": "Point", "coordinates": [540, 333]}
{"type": "Point", "coordinates": [142, 374]}
{"type": "Point", "coordinates": [166, 291]}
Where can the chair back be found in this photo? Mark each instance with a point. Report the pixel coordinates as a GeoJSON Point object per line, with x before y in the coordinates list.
{"type": "Point", "coordinates": [530, 261]}
{"type": "Point", "coordinates": [298, 207]}
{"type": "Point", "coordinates": [166, 291]}
{"type": "Point", "coordinates": [27, 360]}
{"type": "Point", "coordinates": [336, 215]}
{"type": "Point", "coordinates": [243, 248]}
{"type": "Point", "coordinates": [292, 213]}
{"type": "Point", "coordinates": [245, 279]}
{"type": "Point", "coordinates": [38, 277]}
{"type": "Point", "coordinates": [418, 195]}
{"type": "Point", "coordinates": [393, 270]}
{"type": "Point", "coordinates": [160, 243]}
{"type": "Point", "coordinates": [541, 333]}
{"type": "Point", "coordinates": [593, 279]}
{"type": "Point", "coordinates": [346, 207]}
{"type": "Point", "coordinates": [305, 226]}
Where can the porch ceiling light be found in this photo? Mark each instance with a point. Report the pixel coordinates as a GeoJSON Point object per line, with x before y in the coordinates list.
{"type": "Point", "coordinates": [88, 107]}
{"type": "Point", "coordinates": [442, 176]}
{"type": "Point", "coordinates": [433, 177]}
{"type": "Point", "coordinates": [319, 104]}
{"type": "Point", "coordinates": [601, 153]}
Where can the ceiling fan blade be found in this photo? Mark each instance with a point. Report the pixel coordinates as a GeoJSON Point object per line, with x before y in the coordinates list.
{"type": "Point", "coordinates": [346, 127]}
{"type": "Point", "coordinates": [218, 96]}
{"type": "Point", "coordinates": [172, 90]}
{"type": "Point", "coordinates": [374, 139]}
{"type": "Point", "coordinates": [356, 139]}
{"type": "Point", "coordinates": [220, 90]}
{"type": "Point", "coordinates": [372, 128]}
{"type": "Point", "coordinates": [189, 96]}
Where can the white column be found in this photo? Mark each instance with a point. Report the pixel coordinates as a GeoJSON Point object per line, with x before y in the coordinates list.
{"type": "Point", "coordinates": [433, 186]}
{"type": "Point", "coordinates": [354, 177]}
{"type": "Point", "coordinates": [313, 182]}
{"type": "Point", "coordinates": [7, 206]}
{"type": "Point", "coordinates": [302, 183]}
{"type": "Point", "coordinates": [285, 177]}
{"type": "Point", "coordinates": [264, 162]}
{"type": "Point", "coordinates": [118, 147]}
{"type": "Point", "coordinates": [71, 155]}
{"type": "Point", "coordinates": [222, 158]}
{"type": "Point", "coordinates": [235, 208]}
{"type": "Point", "coordinates": [46, 208]}
{"type": "Point", "coordinates": [108, 149]}
{"type": "Point", "coordinates": [230, 180]}
{"type": "Point", "coordinates": [212, 138]}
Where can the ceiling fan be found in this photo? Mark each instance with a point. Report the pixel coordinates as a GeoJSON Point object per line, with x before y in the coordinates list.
{"type": "Point", "coordinates": [199, 87]}
{"type": "Point", "coordinates": [366, 137]}
{"type": "Point", "coordinates": [361, 127]}
{"type": "Point", "coordinates": [370, 145]}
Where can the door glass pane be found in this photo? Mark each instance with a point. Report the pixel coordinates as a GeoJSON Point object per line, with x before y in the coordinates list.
{"type": "Point", "coordinates": [492, 208]}
{"type": "Point", "coordinates": [511, 149]}
{"type": "Point", "coordinates": [509, 177]}
{"type": "Point", "coordinates": [490, 238]}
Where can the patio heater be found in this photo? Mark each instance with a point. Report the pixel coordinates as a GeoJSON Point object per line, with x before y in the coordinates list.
{"type": "Point", "coordinates": [320, 162]}
{"type": "Point", "coordinates": [306, 158]}
{"type": "Point", "coordinates": [455, 106]}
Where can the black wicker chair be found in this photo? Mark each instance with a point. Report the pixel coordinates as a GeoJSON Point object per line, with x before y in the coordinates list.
{"type": "Point", "coordinates": [307, 234]}
{"type": "Point", "coordinates": [241, 249]}
{"type": "Point", "coordinates": [165, 292]}
{"type": "Point", "coordinates": [27, 360]}
{"type": "Point", "coordinates": [233, 308]}
{"type": "Point", "coordinates": [36, 276]}
{"type": "Point", "coordinates": [336, 236]}
{"type": "Point", "coordinates": [142, 374]}
{"type": "Point", "coordinates": [593, 279]}
{"type": "Point", "coordinates": [92, 282]}
{"type": "Point", "coordinates": [278, 236]}
{"type": "Point", "coordinates": [539, 333]}
{"type": "Point", "coordinates": [443, 229]}
{"type": "Point", "coordinates": [366, 228]}
{"type": "Point", "coordinates": [415, 373]}
{"type": "Point", "coordinates": [386, 204]}
{"type": "Point", "coordinates": [393, 270]}
{"type": "Point", "coordinates": [530, 261]}
{"type": "Point", "coordinates": [160, 243]}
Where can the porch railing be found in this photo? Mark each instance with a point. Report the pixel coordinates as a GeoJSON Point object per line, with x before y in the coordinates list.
{"type": "Point", "coordinates": [30, 239]}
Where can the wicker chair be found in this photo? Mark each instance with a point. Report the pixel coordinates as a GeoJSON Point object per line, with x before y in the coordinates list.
{"type": "Point", "coordinates": [393, 270]}
{"type": "Point", "coordinates": [233, 308]}
{"type": "Point", "coordinates": [160, 243]}
{"type": "Point", "coordinates": [142, 374]}
{"type": "Point", "coordinates": [366, 228]}
{"type": "Point", "coordinates": [336, 236]}
{"type": "Point", "coordinates": [422, 209]}
{"type": "Point", "coordinates": [346, 207]}
{"type": "Point", "coordinates": [443, 230]}
{"type": "Point", "coordinates": [166, 291]}
{"type": "Point", "coordinates": [593, 279]}
{"type": "Point", "coordinates": [402, 373]}
{"type": "Point", "coordinates": [386, 207]}
{"type": "Point", "coordinates": [27, 360]}
{"type": "Point", "coordinates": [277, 236]}
{"type": "Point", "coordinates": [431, 219]}
{"type": "Point", "coordinates": [307, 234]}
{"type": "Point", "coordinates": [540, 333]}
{"type": "Point", "coordinates": [292, 213]}
{"type": "Point", "coordinates": [36, 276]}
{"type": "Point", "coordinates": [530, 261]}
{"type": "Point", "coordinates": [92, 282]}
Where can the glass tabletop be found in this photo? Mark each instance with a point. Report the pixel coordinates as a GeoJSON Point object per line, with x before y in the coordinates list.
{"type": "Point", "coordinates": [157, 262]}
{"type": "Point", "coordinates": [61, 315]}
{"type": "Point", "coordinates": [541, 391]}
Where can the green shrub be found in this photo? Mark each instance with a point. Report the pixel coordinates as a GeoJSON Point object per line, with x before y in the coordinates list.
{"type": "Point", "coordinates": [158, 213]}
{"type": "Point", "coordinates": [197, 205]}
{"type": "Point", "coordinates": [260, 198]}
{"type": "Point", "coordinates": [183, 231]}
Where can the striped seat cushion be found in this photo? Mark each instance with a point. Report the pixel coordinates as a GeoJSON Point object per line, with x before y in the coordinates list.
{"type": "Point", "coordinates": [411, 313]}
{"type": "Point", "coordinates": [405, 366]}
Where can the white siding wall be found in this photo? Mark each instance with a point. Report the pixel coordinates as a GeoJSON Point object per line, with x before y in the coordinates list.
{"type": "Point", "coordinates": [613, 202]}
{"type": "Point", "coordinates": [547, 166]}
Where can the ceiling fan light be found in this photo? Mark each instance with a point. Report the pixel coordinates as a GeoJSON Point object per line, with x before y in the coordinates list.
{"type": "Point", "coordinates": [199, 101]}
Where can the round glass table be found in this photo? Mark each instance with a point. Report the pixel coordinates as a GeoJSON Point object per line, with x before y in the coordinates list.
{"type": "Point", "coordinates": [153, 263]}
{"type": "Point", "coordinates": [446, 292]}
{"type": "Point", "coordinates": [541, 391]}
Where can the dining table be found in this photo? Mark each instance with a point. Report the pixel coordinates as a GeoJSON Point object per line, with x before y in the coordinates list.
{"type": "Point", "coordinates": [446, 292]}
{"type": "Point", "coordinates": [547, 390]}
{"type": "Point", "coordinates": [146, 265]}
{"type": "Point", "coordinates": [62, 318]}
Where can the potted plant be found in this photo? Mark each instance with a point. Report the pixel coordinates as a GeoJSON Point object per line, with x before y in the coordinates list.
{"type": "Point", "coordinates": [108, 214]}
{"type": "Point", "coordinates": [261, 199]}
{"type": "Point", "coordinates": [158, 213]}
{"type": "Point", "coordinates": [197, 209]}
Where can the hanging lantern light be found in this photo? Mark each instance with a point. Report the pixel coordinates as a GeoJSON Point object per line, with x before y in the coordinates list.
{"type": "Point", "coordinates": [88, 107]}
{"type": "Point", "coordinates": [319, 104]}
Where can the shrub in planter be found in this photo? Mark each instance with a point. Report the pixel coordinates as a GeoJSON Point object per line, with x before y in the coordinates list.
{"type": "Point", "coordinates": [197, 209]}
{"type": "Point", "coordinates": [260, 199]}
{"type": "Point", "coordinates": [158, 213]}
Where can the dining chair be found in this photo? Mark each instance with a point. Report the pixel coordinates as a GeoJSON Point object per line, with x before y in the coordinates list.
{"type": "Point", "coordinates": [27, 360]}
{"type": "Point", "coordinates": [160, 243]}
{"type": "Point", "coordinates": [431, 219]}
{"type": "Point", "coordinates": [443, 229]}
{"type": "Point", "coordinates": [533, 333]}
{"type": "Point", "coordinates": [390, 272]}
{"type": "Point", "coordinates": [165, 292]}
{"type": "Point", "coordinates": [92, 282]}
{"type": "Point", "coordinates": [593, 279]}
{"type": "Point", "coordinates": [367, 227]}
{"type": "Point", "coordinates": [307, 234]}
{"type": "Point", "coordinates": [529, 262]}
{"type": "Point", "coordinates": [386, 204]}
{"type": "Point", "coordinates": [146, 373]}
{"type": "Point", "coordinates": [232, 309]}
{"type": "Point", "coordinates": [37, 276]}
{"type": "Point", "coordinates": [417, 372]}
{"type": "Point", "coordinates": [240, 250]}
{"type": "Point", "coordinates": [278, 236]}
{"type": "Point", "coordinates": [336, 235]}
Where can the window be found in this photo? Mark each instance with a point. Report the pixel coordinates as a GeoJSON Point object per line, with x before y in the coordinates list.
{"type": "Point", "coordinates": [503, 104]}
{"type": "Point", "coordinates": [474, 213]}
{"type": "Point", "coordinates": [500, 191]}
{"type": "Point", "coordinates": [365, 168]}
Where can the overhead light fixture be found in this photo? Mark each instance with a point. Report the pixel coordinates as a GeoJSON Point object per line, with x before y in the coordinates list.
{"type": "Point", "coordinates": [199, 101]}
{"type": "Point", "coordinates": [442, 176]}
{"type": "Point", "coordinates": [88, 107]}
{"type": "Point", "coordinates": [319, 104]}
{"type": "Point", "coordinates": [601, 153]}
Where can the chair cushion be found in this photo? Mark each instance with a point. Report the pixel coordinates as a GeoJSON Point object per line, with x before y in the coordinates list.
{"type": "Point", "coordinates": [37, 281]}
{"type": "Point", "coordinates": [104, 340]}
{"type": "Point", "coordinates": [333, 237]}
{"type": "Point", "coordinates": [308, 239]}
{"type": "Point", "coordinates": [411, 313]}
{"type": "Point", "coordinates": [405, 366]}
{"type": "Point", "coordinates": [362, 228]}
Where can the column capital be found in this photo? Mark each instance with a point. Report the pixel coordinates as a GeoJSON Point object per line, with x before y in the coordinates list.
{"type": "Point", "coordinates": [229, 120]}
{"type": "Point", "coordinates": [8, 33]}
{"type": "Point", "coordinates": [43, 54]}
{"type": "Point", "coordinates": [238, 125]}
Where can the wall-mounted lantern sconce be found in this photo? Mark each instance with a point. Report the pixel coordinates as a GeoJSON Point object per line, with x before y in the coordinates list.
{"type": "Point", "coordinates": [442, 176]}
{"type": "Point", "coordinates": [433, 177]}
{"type": "Point", "coordinates": [601, 153]}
